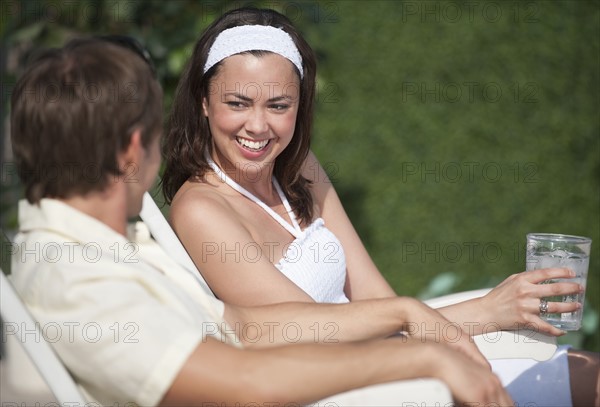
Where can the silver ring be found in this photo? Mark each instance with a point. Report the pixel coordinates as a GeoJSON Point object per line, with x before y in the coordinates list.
{"type": "Point", "coordinates": [543, 306]}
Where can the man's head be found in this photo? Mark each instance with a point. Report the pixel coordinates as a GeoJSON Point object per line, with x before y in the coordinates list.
{"type": "Point", "coordinates": [74, 112]}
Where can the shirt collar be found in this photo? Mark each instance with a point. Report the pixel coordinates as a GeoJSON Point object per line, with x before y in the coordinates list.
{"type": "Point", "coordinates": [58, 217]}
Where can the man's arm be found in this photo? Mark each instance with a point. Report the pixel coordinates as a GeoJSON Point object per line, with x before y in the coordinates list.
{"type": "Point", "coordinates": [287, 323]}
{"type": "Point", "coordinates": [220, 373]}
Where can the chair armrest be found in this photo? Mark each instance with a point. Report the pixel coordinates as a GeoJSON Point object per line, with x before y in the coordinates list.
{"type": "Point", "coordinates": [20, 381]}
{"type": "Point", "coordinates": [519, 344]}
{"type": "Point", "coordinates": [419, 392]}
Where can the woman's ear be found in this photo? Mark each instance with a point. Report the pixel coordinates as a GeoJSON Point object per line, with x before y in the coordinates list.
{"type": "Point", "coordinates": [205, 107]}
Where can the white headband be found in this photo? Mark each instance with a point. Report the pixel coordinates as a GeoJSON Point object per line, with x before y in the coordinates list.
{"type": "Point", "coordinates": [253, 38]}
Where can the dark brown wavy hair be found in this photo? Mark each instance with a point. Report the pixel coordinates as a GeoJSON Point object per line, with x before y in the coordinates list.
{"type": "Point", "coordinates": [188, 134]}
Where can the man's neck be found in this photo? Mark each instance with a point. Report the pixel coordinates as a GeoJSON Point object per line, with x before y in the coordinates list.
{"type": "Point", "coordinates": [108, 206]}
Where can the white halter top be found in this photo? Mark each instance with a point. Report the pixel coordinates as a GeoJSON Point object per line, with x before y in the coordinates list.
{"type": "Point", "coordinates": [315, 260]}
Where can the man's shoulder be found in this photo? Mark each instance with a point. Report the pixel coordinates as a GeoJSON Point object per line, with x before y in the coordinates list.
{"type": "Point", "coordinates": [46, 264]}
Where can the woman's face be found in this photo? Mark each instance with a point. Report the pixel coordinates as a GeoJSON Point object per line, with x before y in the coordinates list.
{"type": "Point", "coordinates": [251, 110]}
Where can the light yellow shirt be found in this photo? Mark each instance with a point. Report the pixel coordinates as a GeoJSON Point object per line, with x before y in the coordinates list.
{"type": "Point", "coordinates": [121, 314]}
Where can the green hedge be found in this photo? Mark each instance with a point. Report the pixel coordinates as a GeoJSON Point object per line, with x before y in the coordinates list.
{"type": "Point", "coordinates": [453, 129]}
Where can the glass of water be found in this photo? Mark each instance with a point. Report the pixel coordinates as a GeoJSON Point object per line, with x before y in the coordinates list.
{"type": "Point", "coordinates": [547, 250]}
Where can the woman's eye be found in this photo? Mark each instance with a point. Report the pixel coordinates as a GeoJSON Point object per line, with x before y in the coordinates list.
{"type": "Point", "coordinates": [235, 104]}
{"type": "Point", "coordinates": [279, 107]}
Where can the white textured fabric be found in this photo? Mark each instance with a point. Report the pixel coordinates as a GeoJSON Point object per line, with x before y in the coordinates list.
{"type": "Point", "coordinates": [253, 38]}
{"type": "Point", "coordinates": [121, 314]}
{"type": "Point", "coordinates": [316, 263]}
{"type": "Point", "coordinates": [315, 260]}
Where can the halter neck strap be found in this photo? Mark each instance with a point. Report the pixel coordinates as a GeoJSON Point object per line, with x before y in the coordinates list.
{"type": "Point", "coordinates": [293, 229]}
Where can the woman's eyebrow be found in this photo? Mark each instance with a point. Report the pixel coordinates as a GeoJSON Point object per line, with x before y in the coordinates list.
{"type": "Point", "coordinates": [239, 96]}
{"type": "Point", "coordinates": [279, 98]}
{"type": "Point", "coordinates": [248, 99]}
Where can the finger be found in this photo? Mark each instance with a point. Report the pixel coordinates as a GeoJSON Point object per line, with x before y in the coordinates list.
{"type": "Point", "coordinates": [506, 400]}
{"type": "Point", "coordinates": [562, 288]}
{"type": "Point", "coordinates": [499, 396]}
{"type": "Point", "coordinates": [537, 276]}
{"type": "Point", "coordinates": [539, 325]}
{"type": "Point", "coordinates": [562, 307]}
{"type": "Point", "coordinates": [503, 398]}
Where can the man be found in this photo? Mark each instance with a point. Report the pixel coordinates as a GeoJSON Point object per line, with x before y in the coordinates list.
{"type": "Point", "coordinates": [86, 124]}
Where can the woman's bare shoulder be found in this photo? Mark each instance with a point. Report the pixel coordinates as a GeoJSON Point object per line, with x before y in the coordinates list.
{"type": "Point", "coordinates": [199, 202]}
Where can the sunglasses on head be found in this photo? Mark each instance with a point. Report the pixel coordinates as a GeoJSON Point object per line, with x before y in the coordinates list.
{"type": "Point", "coordinates": [133, 45]}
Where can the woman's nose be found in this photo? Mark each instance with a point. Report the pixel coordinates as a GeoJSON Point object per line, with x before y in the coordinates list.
{"type": "Point", "coordinates": [256, 122]}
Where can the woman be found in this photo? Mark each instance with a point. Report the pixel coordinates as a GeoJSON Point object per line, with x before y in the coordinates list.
{"type": "Point", "coordinates": [251, 203]}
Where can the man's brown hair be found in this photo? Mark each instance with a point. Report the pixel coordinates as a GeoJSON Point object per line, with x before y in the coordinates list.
{"type": "Point", "coordinates": [74, 109]}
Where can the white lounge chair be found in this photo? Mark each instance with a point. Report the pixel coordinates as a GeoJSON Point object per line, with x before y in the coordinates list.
{"type": "Point", "coordinates": [30, 372]}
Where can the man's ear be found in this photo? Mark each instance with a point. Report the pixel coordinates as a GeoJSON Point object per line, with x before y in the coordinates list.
{"type": "Point", "coordinates": [134, 151]}
{"type": "Point", "coordinates": [205, 107]}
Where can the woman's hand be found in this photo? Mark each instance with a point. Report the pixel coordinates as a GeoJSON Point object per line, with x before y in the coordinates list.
{"type": "Point", "coordinates": [515, 303]}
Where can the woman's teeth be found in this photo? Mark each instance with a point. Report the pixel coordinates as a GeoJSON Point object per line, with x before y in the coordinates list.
{"type": "Point", "coordinates": [252, 145]}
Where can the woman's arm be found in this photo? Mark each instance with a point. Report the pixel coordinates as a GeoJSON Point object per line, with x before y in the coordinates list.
{"type": "Point", "coordinates": [230, 260]}
{"type": "Point", "coordinates": [364, 280]}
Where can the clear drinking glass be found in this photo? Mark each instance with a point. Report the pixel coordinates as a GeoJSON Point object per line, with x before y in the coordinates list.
{"type": "Point", "coordinates": [546, 250]}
